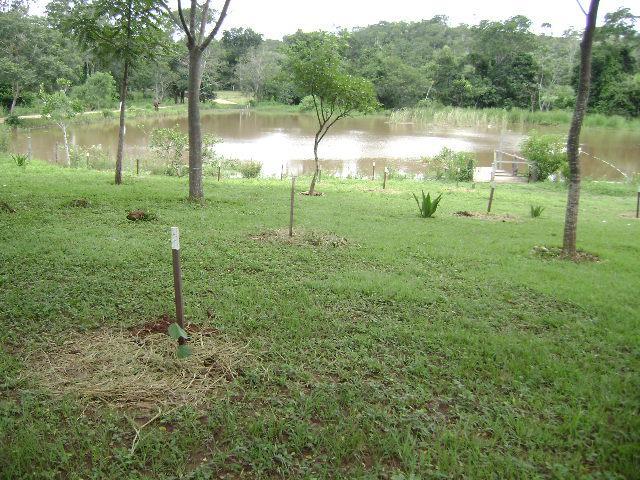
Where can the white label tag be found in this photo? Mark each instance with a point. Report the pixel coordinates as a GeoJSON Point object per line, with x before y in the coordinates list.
{"type": "Point", "coordinates": [175, 238]}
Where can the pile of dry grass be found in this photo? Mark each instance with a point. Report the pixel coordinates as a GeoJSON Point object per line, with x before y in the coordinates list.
{"type": "Point", "coordinates": [302, 237]}
{"type": "Point", "coordinates": [136, 371]}
{"type": "Point", "coordinates": [486, 216]}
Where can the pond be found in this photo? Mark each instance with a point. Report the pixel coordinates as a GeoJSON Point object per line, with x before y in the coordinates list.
{"type": "Point", "coordinates": [285, 141]}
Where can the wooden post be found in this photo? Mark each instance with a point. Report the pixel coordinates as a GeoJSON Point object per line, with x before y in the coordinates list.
{"type": "Point", "coordinates": [384, 182]}
{"type": "Point", "coordinates": [177, 278]}
{"type": "Point", "coordinates": [638, 204]}
{"type": "Point", "coordinates": [55, 153]}
{"type": "Point", "coordinates": [29, 148]}
{"type": "Point", "coordinates": [219, 168]}
{"type": "Point", "coordinates": [373, 171]}
{"type": "Point", "coordinates": [319, 175]}
{"type": "Point", "coordinates": [281, 170]}
{"type": "Point", "coordinates": [493, 166]}
{"type": "Point", "coordinates": [493, 189]}
{"type": "Point", "coordinates": [293, 193]}
{"type": "Point", "coordinates": [137, 166]}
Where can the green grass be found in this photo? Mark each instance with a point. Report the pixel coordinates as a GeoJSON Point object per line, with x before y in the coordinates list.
{"type": "Point", "coordinates": [424, 348]}
{"type": "Point", "coordinates": [502, 118]}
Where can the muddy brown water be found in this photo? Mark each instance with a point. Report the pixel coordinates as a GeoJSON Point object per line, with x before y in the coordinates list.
{"type": "Point", "coordinates": [285, 141]}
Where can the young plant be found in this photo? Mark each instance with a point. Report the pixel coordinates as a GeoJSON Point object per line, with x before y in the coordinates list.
{"type": "Point", "coordinates": [170, 144]}
{"type": "Point", "coordinates": [20, 159]}
{"type": "Point", "coordinates": [427, 207]}
{"type": "Point", "coordinates": [176, 332]}
{"type": "Point", "coordinates": [536, 211]}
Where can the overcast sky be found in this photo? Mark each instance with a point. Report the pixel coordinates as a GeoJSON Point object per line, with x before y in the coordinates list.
{"type": "Point", "coordinates": [275, 18]}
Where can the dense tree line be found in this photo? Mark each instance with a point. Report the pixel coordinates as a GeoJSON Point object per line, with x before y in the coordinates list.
{"type": "Point", "coordinates": [491, 64]}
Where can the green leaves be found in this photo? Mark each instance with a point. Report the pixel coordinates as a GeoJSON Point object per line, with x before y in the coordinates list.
{"type": "Point", "coordinates": [184, 351]}
{"type": "Point", "coordinates": [427, 207]}
{"type": "Point", "coordinates": [177, 332]}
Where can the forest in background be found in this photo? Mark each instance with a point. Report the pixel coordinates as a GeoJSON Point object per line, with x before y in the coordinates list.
{"type": "Point", "coordinates": [494, 64]}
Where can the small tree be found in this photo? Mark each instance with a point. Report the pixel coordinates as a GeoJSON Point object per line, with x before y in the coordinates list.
{"type": "Point", "coordinates": [98, 92]}
{"type": "Point", "coordinates": [573, 141]}
{"type": "Point", "coordinates": [60, 108]}
{"type": "Point", "coordinates": [316, 64]}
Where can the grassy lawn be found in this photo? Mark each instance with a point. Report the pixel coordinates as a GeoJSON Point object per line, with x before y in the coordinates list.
{"type": "Point", "coordinates": [420, 348]}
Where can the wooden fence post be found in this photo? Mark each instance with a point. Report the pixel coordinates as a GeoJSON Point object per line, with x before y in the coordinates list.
{"type": "Point", "coordinates": [638, 204]}
{"type": "Point", "coordinates": [373, 171]}
{"type": "Point", "coordinates": [29, 147]}
{"type": "Point", "coordinates": [293, 193]}
{"type": "Point", "coordinates": [493, 189]}
{"type": "Point", "coordinates": [384, 182]}
{"type": "Point", "coordinates": [219, 168]}
{"type": "Point", "coordinates": [177, 279]}
{"type": "Point", "coordinates": [137, 166]}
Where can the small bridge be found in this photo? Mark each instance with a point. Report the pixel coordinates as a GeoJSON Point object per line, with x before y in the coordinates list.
{"type": "Point", "coordinates": [506, 168]}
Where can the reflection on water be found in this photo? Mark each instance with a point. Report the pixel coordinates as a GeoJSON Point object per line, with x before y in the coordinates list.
{"type": "Point", "coordinates": [286, 141]}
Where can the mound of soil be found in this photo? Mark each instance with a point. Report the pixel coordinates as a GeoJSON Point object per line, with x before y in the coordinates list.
{"type": "Point", "coordinates": [557, 253]}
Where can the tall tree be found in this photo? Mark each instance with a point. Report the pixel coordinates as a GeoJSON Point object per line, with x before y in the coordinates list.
{"type": "Point", "coordinates": [316, 64]}
{"type": "Point", "coordinates": [197, 42]}
{"type": "Point", "coordinates": [573, 141]}
{"type": "Point", "coordinates": [32, 54]}
{"type": "Point", "coordinates": [123, 30]}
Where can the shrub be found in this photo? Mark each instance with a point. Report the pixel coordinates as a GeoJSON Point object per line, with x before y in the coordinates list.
{"type": "Point", "coordinates": [427, 207]}
{"type": "Point", "coordinates": [170, 144]}
{"type": "Point", "coordinates": [250, 169]}
{"type": "Point", "coordinates": [546, 152]}
{"type": "Point", "coordinates": [536, 211]}
{"type": "Point", "coordinates": [306, 104]}
{"type": "Point", "coordinates": [98, 92]}
{"type": "Point", "coordinates": [458, 166]}
{"type": "Point", "coordinates": [12, 120]}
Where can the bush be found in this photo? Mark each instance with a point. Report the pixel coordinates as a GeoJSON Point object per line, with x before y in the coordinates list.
{"type": "Point", "coordinates": [12, 120]}
{"type": "Point", "coordinates": [250, 169]}
{"type": "Point", "coordinates": [458, 166]}
{"type": "Point", "coordinates": [170, 144]}
{"type": "Point", "coordinates": [97, 93]}
{"type": "Point", "coordinates": [306, 104]}
{"type": "Point", "coordinates": [547, 153]}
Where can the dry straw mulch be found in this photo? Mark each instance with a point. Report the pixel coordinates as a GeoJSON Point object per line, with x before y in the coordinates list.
{"type": "Point", "coordinates": [486, 216]}
{"type": "Point", "coordinates": [302, 237]}
{"type": "Point", "coordinates": [133, 371]}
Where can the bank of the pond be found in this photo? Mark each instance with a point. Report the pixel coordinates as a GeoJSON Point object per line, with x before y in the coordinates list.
{"type": "Point", "coordinates": [410, 348]}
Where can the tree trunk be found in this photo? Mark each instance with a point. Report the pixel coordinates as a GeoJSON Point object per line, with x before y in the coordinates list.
{"type": "Point", "coordinates": [312, 187]}
{"type": "Point", "coordinates": [195, 132]}
{"type": "Point", "coordinates": [121, 132]}
{"type": "Point", "coordinates": [63, 126]}
{"type": "Point", "coordinates": [573, 141]}
{"type": "Point", "coordinates": [16, 94]}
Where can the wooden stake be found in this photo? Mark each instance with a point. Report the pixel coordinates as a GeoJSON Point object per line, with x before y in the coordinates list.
{"type": "Point", "coordinates": [384, 182]}
{"type": "Point", "coordinates": [177, 278]}
{"type": "Point", "coordinates": [638, 204]}
{"type": "Point", "coordinates": [281, 170]}
{"type": "Point", "coordinates": [293, 193]}
{"type": "Point", "coordinates": [373, 171]}
{"type": "Point", "coordinates": [493, 189]}
{"type": "Point", "coordinates": [29, 148]}
{"type": "Point", "coordinates": [219, 168]}
{"type": "Point", "coordinates": [137, 166]}
{"type": "Point", "coordinates": [55, 153]}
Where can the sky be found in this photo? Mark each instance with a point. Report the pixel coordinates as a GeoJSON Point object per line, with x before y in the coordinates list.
{"type": "Point", "coordinates": [275, 18]}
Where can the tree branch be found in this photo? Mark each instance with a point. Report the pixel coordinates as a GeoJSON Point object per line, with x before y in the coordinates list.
{"type": "Point", "coordinates": [192, 17]}
{"type": "Point", "coordinates": [581, 7]}
{"type": "Point", "coordinates": [203, 20]}
{"type": "Point", "coordinates": [223, 13]}
{"type": "Point", "coordinates": [184, 23]}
